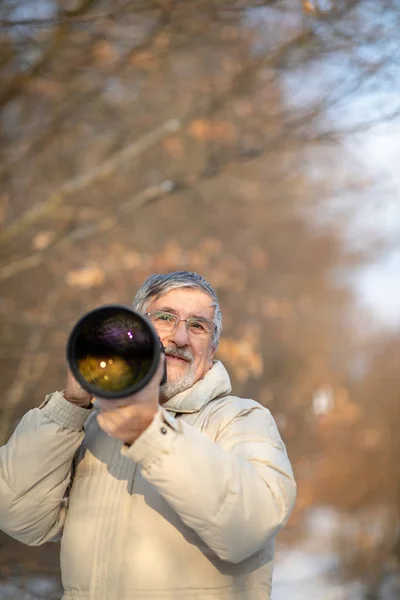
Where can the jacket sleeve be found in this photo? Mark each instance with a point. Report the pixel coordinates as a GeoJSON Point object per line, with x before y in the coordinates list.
{"type": "Point", "coordinates": [35, 470]}
{"type": "Point", "coordinates": [235, 492]}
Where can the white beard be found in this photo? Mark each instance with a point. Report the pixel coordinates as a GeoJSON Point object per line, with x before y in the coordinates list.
{"type": "Point", "coordinates": [172, 388]}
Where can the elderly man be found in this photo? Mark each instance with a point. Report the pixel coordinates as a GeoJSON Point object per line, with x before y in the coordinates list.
{"type": "Point", "coordinates": [173, 493]}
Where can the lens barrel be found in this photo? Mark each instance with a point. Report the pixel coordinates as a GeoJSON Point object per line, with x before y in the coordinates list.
{"type": "Point", "coordinates": [114, 351]}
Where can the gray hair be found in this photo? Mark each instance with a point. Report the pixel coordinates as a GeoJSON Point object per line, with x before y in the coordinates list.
{"type": "Point", "coordinates": [157, 285]}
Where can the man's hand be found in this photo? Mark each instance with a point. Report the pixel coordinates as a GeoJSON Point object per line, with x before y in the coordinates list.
{"type": "Point", "coordinates": [75, 393]}
{"type": "Point", "coordinates": [128, 417]}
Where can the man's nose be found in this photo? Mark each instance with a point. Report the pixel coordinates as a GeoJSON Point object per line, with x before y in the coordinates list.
{"type": "Point", "coordinates": [180, 335]}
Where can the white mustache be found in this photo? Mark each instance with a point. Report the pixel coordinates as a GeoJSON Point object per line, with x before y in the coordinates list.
{"type": "Point", "coordinates": [185, 354]}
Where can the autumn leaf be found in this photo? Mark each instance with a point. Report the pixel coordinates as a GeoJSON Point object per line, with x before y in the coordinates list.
{"type": "Point", "coordinates": [105, 53]}
{"type": "Point", "coordinates": [145, 60]}
{"type": "Point", "coordinates": [174, 147]}
{"type": "Point", "coordinates": [42, 240]}
{"type": "Point", "coordinates": [86, 278]}
{"type": "Point", "coordinates": [223, 131]}
{"type": "Point", "coordinates": [219, 131]}
{"type": "Point", "coordinates": [243, 357]}
{"type": "Point", "coordinates": [309, 8]}
{"type": "Point", "coordinates": [162, 41]}
{"type": "Point", "coordinates": [199, 129]}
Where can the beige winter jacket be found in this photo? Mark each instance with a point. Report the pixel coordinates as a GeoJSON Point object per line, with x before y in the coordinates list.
{"type": "Point", "coordinates": [189, 511]}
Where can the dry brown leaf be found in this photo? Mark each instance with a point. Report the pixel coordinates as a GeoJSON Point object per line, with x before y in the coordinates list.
{"type": "Point", "coordinates": [199, 129]}
{"type": "Point", "coordinates": [174, 147]}
{"type": "Point", "coordinates": [162, 41]}
{"type": "Point", "coordinates": [105, 53]}
{"type": "Point", "coordinates": [144, 60]}
{"type": "Point", "coordinates": [218, 131]}
{"type": "Point", "coordinates": [86, 278]}
{"type": "Point", "coordinates": [243, 358]}
{"type": "Point", "coordinates": [42, 240]}
{"type": "Point", "coordinates": [309, 7]}
{"type": "Point", "coordinates": [132, 260]}
{"type": "Point", "coordinates": [223, 131]}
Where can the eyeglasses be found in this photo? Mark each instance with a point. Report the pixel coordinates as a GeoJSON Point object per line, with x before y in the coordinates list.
{"type": "Point", "coordinates": [165, 321]}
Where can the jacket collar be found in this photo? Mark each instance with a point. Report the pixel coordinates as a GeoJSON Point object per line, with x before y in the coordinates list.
{"type": "Point", "coordinates": [215, 383]}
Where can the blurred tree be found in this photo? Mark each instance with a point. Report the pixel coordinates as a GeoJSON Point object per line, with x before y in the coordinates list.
{"type": "Point", "coordinates": [358, 469]}
{"type": "Point", "coordinates": [129, 104]}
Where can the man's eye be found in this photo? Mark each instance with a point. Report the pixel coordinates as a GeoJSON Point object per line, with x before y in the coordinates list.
{"type": "Point", "coordinates": [164, 317]}
{"type": "Point", "coordinates": [198, 326]}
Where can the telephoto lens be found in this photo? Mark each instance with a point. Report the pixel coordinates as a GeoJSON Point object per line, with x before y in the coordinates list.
{"type": "Point", "coordinates": [114, 351]}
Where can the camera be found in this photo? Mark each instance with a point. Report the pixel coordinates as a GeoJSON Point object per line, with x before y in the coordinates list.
{"type": "Point", "coordinates": [114, 351]}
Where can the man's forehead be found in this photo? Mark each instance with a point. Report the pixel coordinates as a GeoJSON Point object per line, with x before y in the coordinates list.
{"type": "Point", "coordinates": [184, 297]}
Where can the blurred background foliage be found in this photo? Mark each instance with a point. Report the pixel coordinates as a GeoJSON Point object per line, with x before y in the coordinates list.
{"type": "Point", "coordinates": [227, 138]}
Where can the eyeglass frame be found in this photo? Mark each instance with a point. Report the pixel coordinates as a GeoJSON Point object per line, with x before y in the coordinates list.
{"type": "Point", "coordinates": [178, 319]}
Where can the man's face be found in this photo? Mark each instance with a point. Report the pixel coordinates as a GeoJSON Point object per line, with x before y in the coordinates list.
{"type": "Point", "coordinates": [196, 352]}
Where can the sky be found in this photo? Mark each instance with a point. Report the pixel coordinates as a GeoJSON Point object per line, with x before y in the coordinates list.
{"type": "Point", "coordinates": [378, 284]}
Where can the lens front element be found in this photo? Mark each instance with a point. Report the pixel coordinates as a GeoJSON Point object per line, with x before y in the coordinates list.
{"type": "Point", "coordinates": [113, 351]}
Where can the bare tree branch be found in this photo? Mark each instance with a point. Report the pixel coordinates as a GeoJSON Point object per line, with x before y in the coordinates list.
{"type": "Point", "coordinates": [30, 370]}
{"type": "Point", "coordinates": [79, 99]}
{"type": "Point", "coordinates": [97, 173]}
